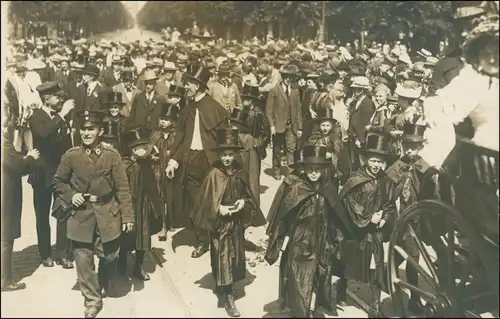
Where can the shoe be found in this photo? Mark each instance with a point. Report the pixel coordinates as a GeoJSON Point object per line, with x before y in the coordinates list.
{"type": "Point", "coordinates": [13, 286]}
{"type": "Point", "coordinates": [199, 251]}
{"type": "Point", "coordinates": [375, 312]}
{"type": "Point", "coordinates": [104, 292]}
{"type": "Point", "coordinates": [416, 306]}
{"type": "Point", "coordinates": [141, 274]}
{"type": "Point", "coordinates": [91, 312]}
{"type": "Point", "coordinates": [162, 236]}
{"type": "Point", "coordinates": [342, 304]}
{"type": "Point", "coordinates": [65, 263]}
{"type": "Point", "coordinates": [48, 262]}
{"type": "Point", "coordinates": [230, 306]}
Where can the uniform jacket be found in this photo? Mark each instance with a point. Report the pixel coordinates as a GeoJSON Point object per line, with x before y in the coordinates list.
{"type": "Point", "coordinates": [102, 175]}
{"type": "Point", "coordinates": [146, 113]}
{"type": "Point", "coordinates": [280, 106]}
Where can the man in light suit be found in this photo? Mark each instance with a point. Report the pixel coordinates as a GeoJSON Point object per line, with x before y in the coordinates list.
{"type": "Point", "coordinates": [283, 111]}
{"type": "Point", "coordinates": [225, 92]}
{"type": "Point", "coordinates": [166, 79]}
{"type": "Point", "coordinates": [128, 90]}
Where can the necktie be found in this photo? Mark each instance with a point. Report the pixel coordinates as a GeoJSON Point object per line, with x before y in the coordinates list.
{"type": "Point", "coordinates": [287, 91]}
{"type": "Point", "coordinates": [53, 113]}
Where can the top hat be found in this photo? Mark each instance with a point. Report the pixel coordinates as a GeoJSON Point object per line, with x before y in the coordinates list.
{"type": "Point", "coordinates": [111, 129]}
{"type": "Point", "coordinates": [176, 90]}
{"type": "Point", "coordinates": [311, 155]}
{"type": "Point", "coordinates": [117, 59]}
{"type": "Point", "coordinates": [376, 144]}
{"type": "Point", "coordinates": [251, 91]}
{"type": "Point", "coordinates": [325, 114]}
{"type": "Point", "coordinates": [170, 111]}
{"type": "Point", "coordinates": [52, 88]}
{"type": "Point", "coordinates": [200, 75]}
{"type": "Point", "coordinates": [136, 136]}
{"type": "Point", "coordinates": [227, 139]}
{"type": "Point", "coordinates": [113, 97]}
{"type": "Point", "coordinates": [241, 117]}
{"type": "Point", "coordinates": [127, 75]}
{"type": "Point", "coordinates": [91, 70]}
{"type": "Point", "coordinates": [413, 133]}
{"type": "Point", "coordinates": [90, 117]}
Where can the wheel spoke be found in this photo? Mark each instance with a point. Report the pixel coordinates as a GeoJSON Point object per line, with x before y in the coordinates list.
{"type": "Point", "coordinates": [422, 272]}
{"type": "Point", "coordinates": [424, 254]}
{"type": "Point", "coordinates": [424, 294]}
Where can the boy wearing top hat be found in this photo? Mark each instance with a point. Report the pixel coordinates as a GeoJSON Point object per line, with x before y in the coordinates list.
{"type": "Point", "coordinates": [307, 224]}
{"type": "Point", "coordinates": [328, 134]}
{"type": "Point", "coordinates": [147, 204]}
{"type": "Point", "coordinates": [369, 198]}
{"type": "Point", "coordinates": [163, 138]}
{"type": "Point", "coordinates": [225, 207]}
{"type": "Point", "coordinates": [412, 177]}
{"type": "Point", "coordinates": [91, 179]}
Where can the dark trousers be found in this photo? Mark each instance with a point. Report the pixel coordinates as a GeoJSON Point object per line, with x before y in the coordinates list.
{"type": "Point", "coordinates": [286, 141]}
{"type": "Point", "coordinates": [90, 281]}
{"type": "Point", "coordinates": [42, 200]}
{"type": "Point", "coordinates": [7, 248]}
{"type": "Point", "coordinates": [196, 171]}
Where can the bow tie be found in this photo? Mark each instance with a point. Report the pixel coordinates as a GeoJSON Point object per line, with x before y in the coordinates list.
{"type": "Point", "coordinates": [53, 113]}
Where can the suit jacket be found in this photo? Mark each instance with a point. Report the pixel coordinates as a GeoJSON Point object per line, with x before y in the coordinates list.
{"type": "Point", "coordinates": [162, 88]}
{"type": "Point", "coordinates": [51, 138]}
{"type": "Point", "coordinates": [125, 111]}
{"type": "Point", "coordinates": [360, 117]}
{"type": "Point", "coordinates": [145, 113]}
{"type": "Point", "coordinates": [280, 108]}
{"type": "Point", "coordinates": [230, 99]}
{"type": "Point", "coordinates": [108, 78]}
{"type": "Point", "coordinates": [64, 80]}
{"type": "Point", "coordinates": [94, 101]}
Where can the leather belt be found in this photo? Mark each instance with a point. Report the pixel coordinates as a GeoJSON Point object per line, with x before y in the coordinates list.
{"type": "Point", "coordinates": [101, 199]}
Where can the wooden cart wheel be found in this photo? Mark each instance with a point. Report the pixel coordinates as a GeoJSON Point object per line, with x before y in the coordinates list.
{"type": "Point", "coordinates": [452, 280]}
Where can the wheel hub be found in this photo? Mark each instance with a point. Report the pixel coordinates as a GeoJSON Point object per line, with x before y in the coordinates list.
{"type": "Point", "coordinates": [441, 307]}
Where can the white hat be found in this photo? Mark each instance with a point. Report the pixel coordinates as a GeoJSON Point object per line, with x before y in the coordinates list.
{"type": "Point", "coordinates": [169, 66]}
{"type": "Point", "coordinates": [361, 82]}
{"type": "Point", "coordinates": [35, 64]}
{"type": "Point", "coordinates": [409, 89]}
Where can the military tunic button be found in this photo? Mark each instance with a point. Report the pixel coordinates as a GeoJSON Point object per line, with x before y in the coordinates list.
{"type": "Point", "coordinates": [88, 151]}
{"type": "Point", "coordinates": [98, 151]}
{"type": "Point", "coordinates": [86, 113]}
{"type": "Point", "coordinates": [86, 118]}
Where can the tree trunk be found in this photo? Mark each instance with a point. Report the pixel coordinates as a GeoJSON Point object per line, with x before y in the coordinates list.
{"type": "Point", "coordinates": [294, 30]}
{"type": "Point", "coordinates": [320, 31]}
{"type": "Point", "coordinates": [228, 33]}
{"type": "Point", "coordinates": [281, 28]}
{"type": "Point", "coordinates": [270, 28]}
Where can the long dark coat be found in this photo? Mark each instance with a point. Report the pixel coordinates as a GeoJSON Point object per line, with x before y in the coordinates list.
{"type": "Point", "coordinates": [227, 250]}
{"type": "Point", "coordinates": [146, 202]}
{"type": "Point", "coordinates": [145, 113]}
{"type": "Point", "coordinates": [362, 196]}
{"type": "Point", "coordinates": [14, 166]}
{"type": "Point", "coordinates": [315, 222]}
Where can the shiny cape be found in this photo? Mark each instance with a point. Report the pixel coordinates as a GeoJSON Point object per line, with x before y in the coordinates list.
{"type": "Point", "coordinates": [206, 208]}
{"type": "Point", "coordinates": [292, 192]}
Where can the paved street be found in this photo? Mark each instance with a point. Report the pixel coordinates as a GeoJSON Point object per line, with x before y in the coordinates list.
{"type": "Point", "coordinates": [180, 287]}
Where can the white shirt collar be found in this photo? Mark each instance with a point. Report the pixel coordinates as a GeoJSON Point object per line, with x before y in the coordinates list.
{"type": "Point", "coordinates": [47, 110]}
{"type": "Point", "coordinates": [91, 86]}
{"type": "Point", "coordinates": [199, 97]}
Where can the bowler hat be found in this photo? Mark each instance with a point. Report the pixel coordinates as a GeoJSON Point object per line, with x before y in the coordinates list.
{"type": "Point", "coordinates": [127, 75]}
{"type": "Point", "coordinates": [311, 155]}
{"type": "Point", "coordinates": [52, 88]}
{"type": "Point", "coordinates": [112, 97]}
{"type": "Point", "coordinates": [90, 117]}
{"type": "Point", "coordinates": [136, 136]}
{"type": "Point", "coordinates": [111, 129]}
{"type": "Point", "coordinates": [170, 111]}
{"type": "Point", "coordinates": [227, 139]}
{"type": "Point", "coordinates": [240, 116]}
{"type": "Point", "coordinates": [200, 75]}
{"type": "Point", "coordinates": [91, 70]}
{"type": "Point", "coordinates": [376, 144]}
{"type": "Point", "coordinates": [413, 133]}
{"type": "Point", "coordinates": [176, 90]}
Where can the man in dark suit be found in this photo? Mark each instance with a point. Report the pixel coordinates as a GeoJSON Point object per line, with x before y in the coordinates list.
{"type": "Point", "coordinates": [112, 76]}
{"type": "Point", "coordinates": [50, 136]}
{"type": "Point", "coordinates": [284, 113]}
{"type": "Point", "coordinates": [91, 178]}
{"type": "Point", "coordinates": [361, 109]}
{"type": "Point", "coordinates": [192, 150]}
{"type": "Point", "coordinates": [64, 75]}
{"type": "Point", "coordinates": [146, 106]}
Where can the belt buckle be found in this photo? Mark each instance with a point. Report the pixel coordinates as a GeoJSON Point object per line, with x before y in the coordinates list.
{"type": "Point", "coordinates": [93, 199]}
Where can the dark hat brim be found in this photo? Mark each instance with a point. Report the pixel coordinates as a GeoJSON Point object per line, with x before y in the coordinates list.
{"type": "Point", "coordinates": [238, 121]}
{"type": "Point", "coordinates": [135, 143]}
{"type": "Point", "coordinates": [374, 151]}
{"type": "Point", "coordinates": [89, 73]}
{"type": "Point", "coordinates": [223, 147]}
{"type": "Point", "coordinates": [175, 94]}
{"type": "Point", "coordinates": [413, 138]}
{"type": "Point", "coordinates": [192, 78]}
{"type": "Point", "coordinates": [250, 97]}
{"type": "Point", "coordinates": [108, 103]}
{"type": "Point", "coordinates": [312, 161]}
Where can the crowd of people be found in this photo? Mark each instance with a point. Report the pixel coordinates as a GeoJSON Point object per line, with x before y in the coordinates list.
{"type": "Point", "coordinates": [126, 140]}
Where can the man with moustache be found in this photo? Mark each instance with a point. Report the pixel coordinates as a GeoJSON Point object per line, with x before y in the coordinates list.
{"type": "Point", "coordinates": [192, 150]}
{"type": "Point", "coordinates": [51, 137]}
{"type": "Point", "coordinates": [128, 90]}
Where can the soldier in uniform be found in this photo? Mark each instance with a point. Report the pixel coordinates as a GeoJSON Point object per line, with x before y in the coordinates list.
{"type": "Point", "coordinates": [91, 180]}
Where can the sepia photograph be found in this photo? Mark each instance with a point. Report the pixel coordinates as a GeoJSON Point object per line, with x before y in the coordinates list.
{"type": "Point", "coordinates": [255, 159]}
